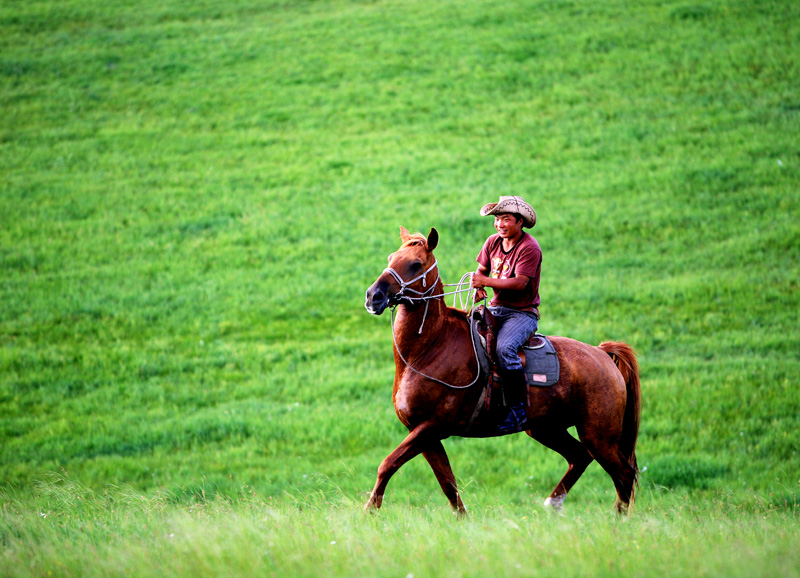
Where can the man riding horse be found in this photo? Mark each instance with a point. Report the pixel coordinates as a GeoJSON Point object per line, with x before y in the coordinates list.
{"type": "Point", "coordinates": [510, 262]}
{"type": "Point", "coordinates": [437, 391]}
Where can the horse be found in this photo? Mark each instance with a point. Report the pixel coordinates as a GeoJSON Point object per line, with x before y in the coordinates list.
{"type": "Point", "coordinates": [438, 386]}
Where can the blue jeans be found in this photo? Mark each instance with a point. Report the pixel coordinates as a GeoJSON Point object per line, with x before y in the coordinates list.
{"type": "Point", "coordinates": [515, 327]}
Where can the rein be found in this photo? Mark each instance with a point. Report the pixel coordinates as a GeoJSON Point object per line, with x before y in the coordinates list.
{"type": "Point", "coordinates": [427, 297]}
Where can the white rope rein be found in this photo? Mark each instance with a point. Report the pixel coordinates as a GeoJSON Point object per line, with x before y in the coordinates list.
{"type": "Point", "coordinates": [427, 297]}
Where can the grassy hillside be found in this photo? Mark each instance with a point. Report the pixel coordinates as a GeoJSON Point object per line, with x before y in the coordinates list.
{"type": "Point", "coordinates": [194, 197]}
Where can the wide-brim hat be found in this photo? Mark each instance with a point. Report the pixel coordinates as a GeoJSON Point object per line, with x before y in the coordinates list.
{"type": "Point", "coordinates": [511, 205]}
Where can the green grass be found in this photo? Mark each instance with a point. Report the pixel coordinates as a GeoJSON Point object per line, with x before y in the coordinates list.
{"type": "Point", "coordinates": [69, 530]}
{"type": "Point", "coordinates": [194, 197]}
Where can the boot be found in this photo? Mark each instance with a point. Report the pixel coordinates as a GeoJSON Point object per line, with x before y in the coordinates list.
{"type": "Point", "coordinates": [515, 390]}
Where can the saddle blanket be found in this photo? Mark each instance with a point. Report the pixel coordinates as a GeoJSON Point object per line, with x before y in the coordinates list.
{"type": "Point", "coordinates": [542, 368]}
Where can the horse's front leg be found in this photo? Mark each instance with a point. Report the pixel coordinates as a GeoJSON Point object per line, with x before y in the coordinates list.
{"type": "Point", "coordinates": [415, 443]}
{"type": "Point", "coordinates": [437, 458]}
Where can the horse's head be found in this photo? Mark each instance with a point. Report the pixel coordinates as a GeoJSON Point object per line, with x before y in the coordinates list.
{"type": "Point", "coordinates": [408, 272]}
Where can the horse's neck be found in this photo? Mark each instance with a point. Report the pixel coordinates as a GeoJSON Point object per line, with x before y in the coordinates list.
{"type": "Point", "coordinates": [417, 329]}
{"type": "Point", "coordinates": [417, 333]}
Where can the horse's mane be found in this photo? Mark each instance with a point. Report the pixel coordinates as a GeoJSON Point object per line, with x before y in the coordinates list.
{"type": "Point", "coordinates": [415, 239]}
{"type": "Point", "coordinates": [456, 314]}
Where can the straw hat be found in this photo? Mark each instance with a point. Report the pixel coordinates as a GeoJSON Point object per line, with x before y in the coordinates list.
{"type": "Point", "coordinates": [511, 205]}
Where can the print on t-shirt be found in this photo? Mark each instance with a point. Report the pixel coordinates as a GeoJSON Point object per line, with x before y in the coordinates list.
{"type": "Point", "coordinates": [499, 265]}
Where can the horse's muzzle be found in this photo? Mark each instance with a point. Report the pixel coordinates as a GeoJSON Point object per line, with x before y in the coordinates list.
{"type": "Point", "coordinates": [377, 297]}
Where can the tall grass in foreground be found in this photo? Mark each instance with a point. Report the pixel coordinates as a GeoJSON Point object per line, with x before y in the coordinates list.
{"type": "Point", "coordinates": [69, 530]}
{"type": "Point", "coordinates": [193, 200]}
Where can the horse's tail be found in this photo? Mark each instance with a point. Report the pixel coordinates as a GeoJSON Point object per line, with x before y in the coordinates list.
{"type": "Point", "coordinates": [625, 359]}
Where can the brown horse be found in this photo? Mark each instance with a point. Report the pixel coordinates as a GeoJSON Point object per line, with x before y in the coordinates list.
{"type": "Point", "coordinates": [437, 387]}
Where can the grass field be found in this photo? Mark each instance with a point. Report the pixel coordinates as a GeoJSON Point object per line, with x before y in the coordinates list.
{"type": "Point", "coordinates": [195, 196]}
{"type": "Point", "coordinates": [76, 532]}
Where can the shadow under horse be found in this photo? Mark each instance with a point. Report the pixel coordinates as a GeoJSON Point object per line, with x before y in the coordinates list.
{"type": "Point", "coordinates": [438, 386]}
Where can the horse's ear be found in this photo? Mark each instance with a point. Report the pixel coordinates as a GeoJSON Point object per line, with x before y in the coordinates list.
{"type": "Point", "coordinates": [404, 234]}
{"type": "Point", "coordinates": [433, 239]}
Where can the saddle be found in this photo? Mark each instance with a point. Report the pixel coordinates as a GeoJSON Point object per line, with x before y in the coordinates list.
{"type": "Point", "coordinates": [538, 356]}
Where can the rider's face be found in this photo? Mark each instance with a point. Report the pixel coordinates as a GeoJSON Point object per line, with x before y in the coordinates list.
{"type": "Point", "coordinates": [507, 226]}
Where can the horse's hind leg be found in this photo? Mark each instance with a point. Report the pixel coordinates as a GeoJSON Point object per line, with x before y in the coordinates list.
{"type": "Point", "coordinates": [622, 473]}
{"type": "Point", "coordinates": [578, 459]}
{"type": "Point", "coordinates": [607, 453]}
{"type": "Point", "coordinates": [437, 458]}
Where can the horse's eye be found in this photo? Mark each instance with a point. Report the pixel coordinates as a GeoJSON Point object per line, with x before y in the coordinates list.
{"type": "Point", "coordinates": [416, 266]}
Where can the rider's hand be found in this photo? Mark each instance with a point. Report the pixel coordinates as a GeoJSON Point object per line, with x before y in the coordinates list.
{"type": "Point", "coordinates": [478, 280]}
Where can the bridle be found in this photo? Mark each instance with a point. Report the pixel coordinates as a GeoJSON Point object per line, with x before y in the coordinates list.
{"type": "Point", "coordinates": [422, 295]}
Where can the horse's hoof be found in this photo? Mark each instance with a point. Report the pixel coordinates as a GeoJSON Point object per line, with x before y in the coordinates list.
{"type": "Point", "coordinates": [623, 509]}
{"type": "Point", "coordinates": [556, 505]}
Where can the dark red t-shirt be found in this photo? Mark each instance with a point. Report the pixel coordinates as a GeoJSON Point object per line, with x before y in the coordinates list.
{"type": "Point", "coordinates": [525, 258]}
